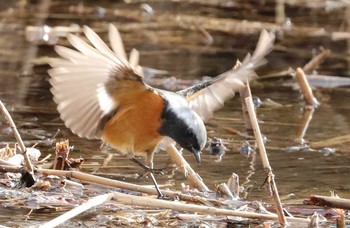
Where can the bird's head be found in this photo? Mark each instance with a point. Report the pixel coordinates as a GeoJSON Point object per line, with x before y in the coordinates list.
{"type": "Point", "coordinates": [186, 128]}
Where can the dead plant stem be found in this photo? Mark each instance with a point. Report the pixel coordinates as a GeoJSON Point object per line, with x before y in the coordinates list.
{"type": "Point", "coordinates": [93, 202]}
{"type": "Point", "coordinates": [175, 205]}
{"type": "Point", "coordinates": [265, 161]}
{"type": "Point", "coordinates": [181, 163]}
{"type": "Point", "coordinates": [9, 119]}
{"type": "Point", "coordinates": [119, 184]}
{"type": "Point", "coordinates": [305, 88]}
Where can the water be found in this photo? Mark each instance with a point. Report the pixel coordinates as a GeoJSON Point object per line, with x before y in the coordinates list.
{"type": "Point", "coordinates": [24, 88]}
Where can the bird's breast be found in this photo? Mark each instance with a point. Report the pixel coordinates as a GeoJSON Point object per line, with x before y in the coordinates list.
{"type": "Point", "coordinates": [134, 126]}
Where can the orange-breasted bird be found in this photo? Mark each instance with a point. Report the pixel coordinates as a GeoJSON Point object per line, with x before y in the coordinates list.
{"type": "Point", "coordinates": [102, 95]}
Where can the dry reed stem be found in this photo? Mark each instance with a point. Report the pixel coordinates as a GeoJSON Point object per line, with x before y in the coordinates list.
{"type": "Point", "coordinates": [303, 124]}
{"type": "Point", "coordinates": [280, 15]}
{"type": "Point", "coordinates": [93, 202]}
{"type": "Point", "coordinates": [9, 119]}
{"type": "Point", "coordinates": [178, 206]}
{"type": "Point", "coordinates": [305, 88]}
{"type": "Point", "coordinates": [4, 162]}
{"type": "Point", "coordinates": [331, 142]}
{"type": "Point", "coordinates": [328, 201]}
{"type": "Point", "coordinates": [317, 60]}
{"type": "Point", "coordinates": [265, 161]}
{"type": "Point", "coordinates": [9, 168]}
{"type": "Point", "coordinates": [340, 36]}
{"type": "Point", "coordinates": [159, 204]}
{"type": "Point", "coordinates": [1, 226]}
{"type": "Point", "coordinates": [193, 177]}
{"type": "Point", "coordinates": [120, 184]}
{"type": "Point", "coordinates": [245, 92]}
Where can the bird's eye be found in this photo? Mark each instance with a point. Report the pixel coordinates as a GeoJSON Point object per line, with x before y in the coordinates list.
{"type": "Point", "coordinates": [189, 133]}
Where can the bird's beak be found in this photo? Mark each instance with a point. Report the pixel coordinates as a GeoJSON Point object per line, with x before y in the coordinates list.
{"type": "Point", "coordinates": [197, 155]}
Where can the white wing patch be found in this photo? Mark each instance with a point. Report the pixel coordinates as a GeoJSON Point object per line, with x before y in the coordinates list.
{"type": "Point", "coordinates": [78, 80]}
{"type": "Point", "coordinates": [211, 98]}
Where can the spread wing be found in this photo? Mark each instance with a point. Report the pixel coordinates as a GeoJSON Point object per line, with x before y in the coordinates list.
{"type": "Point", "coordinates": [84, 80]}
{"type": "Point", "coordinates": [209, 96]}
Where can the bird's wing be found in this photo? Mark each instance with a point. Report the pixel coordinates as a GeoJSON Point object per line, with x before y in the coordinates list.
{"type": "Point", "coordinates": [210, 95]}
{"type": "Point", "coordinates": [85, 80]}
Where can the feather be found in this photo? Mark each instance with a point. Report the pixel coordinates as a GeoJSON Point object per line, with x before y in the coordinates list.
{"type": "Point", "coordinates": [100, 45]}
{"type": "Point", "coordinates": [116, 42]}
{"type": "Point", "coordinates": [207, 97]}
{"type": "Point", "coordinates": [80, 78]}
{"type": "Point", "coordinates": [134, 58]}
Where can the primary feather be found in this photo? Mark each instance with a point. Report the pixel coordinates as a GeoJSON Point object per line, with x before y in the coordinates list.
{"type": "Point", "coordinates": [81, 77]}
{"type": "Point", "coordinates": [209, 96]}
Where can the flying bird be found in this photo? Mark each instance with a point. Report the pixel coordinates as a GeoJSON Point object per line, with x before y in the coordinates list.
{"type": "Point", "coordinates": [101, 94]}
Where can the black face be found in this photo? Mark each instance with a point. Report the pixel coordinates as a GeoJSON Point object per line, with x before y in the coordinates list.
{"type": "Point", "coordinates": [179, 130]}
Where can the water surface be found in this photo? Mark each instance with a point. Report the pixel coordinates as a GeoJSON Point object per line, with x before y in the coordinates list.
{"type": "Point", "coordinates": [25, 90]}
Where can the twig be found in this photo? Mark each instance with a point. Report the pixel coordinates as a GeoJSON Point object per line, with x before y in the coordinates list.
{"type": "Point", "coordinates": [194, 179]}
{"type": "Point", "coordinates": [331, 142]}
{"type": "Point", "coordinates": [328, 201]}
{"type": "Point", "coordinates": [9, 168]}
{"type": "Point", "coordinates": [9, 119]}
{"type": "Point", "coordinates": [156, 203]}
{"type": "Point", "coordinates": [120, 184]}
{"type": "Point", "coordinates": [305, 88]}
{"type": "Point", "coordinates": [93, 202]}
{"type": "Point", "coordinates": [317, 60]}
{"type": "Point", "coordinates": [265, 161]}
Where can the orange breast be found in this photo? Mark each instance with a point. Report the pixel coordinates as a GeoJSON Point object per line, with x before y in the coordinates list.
{"type": "Point", "coordinates": [134, 127]}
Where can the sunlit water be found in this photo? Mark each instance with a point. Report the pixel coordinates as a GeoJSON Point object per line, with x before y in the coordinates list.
{"type": "Point", "coordinates": [24, 88]}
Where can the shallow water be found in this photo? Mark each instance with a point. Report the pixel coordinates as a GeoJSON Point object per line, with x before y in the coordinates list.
{"type": "Point", "coordinates": [24, 88]}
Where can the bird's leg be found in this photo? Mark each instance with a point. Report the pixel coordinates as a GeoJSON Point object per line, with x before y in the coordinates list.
{"type": "Point", "coordinates": [149, 163]}
{"type": "Point", "coordinates": [150, 173]}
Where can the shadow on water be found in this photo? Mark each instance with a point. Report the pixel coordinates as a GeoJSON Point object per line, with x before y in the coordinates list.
{"type": "Point", "coordinates": [24, 88]}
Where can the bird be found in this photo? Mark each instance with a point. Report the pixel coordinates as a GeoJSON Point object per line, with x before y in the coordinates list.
{"type": "Point", "coordinates": [101, 94]}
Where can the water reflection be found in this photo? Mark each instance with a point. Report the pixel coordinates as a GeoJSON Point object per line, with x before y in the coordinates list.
{"type": "Point", "coordinates": [25, 90]}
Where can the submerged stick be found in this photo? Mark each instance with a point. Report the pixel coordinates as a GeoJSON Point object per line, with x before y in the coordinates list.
{"type": "Point", "coordinates": [193, 177]}
{"type": "Point", "coordinates": [93, 202]}
{"type": "Point", "coordinates": [9, 119]}
{"type": "Point", "coordinates": [265, 161]}
{"type": "Point", "coordinates": [157, 203]}
{"type": "Point", "coordinates": [305, 88]}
